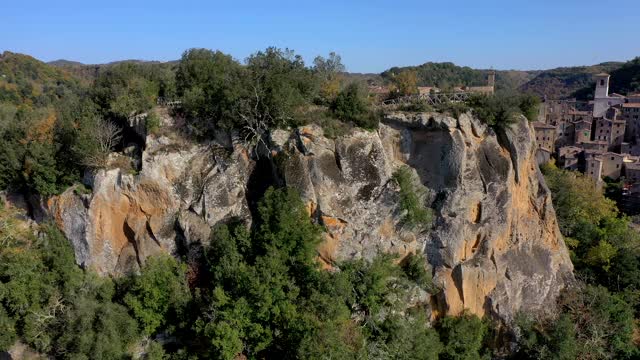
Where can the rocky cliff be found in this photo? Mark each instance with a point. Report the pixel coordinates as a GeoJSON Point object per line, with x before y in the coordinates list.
{"type": "Point", "coordinates": [494, 247]}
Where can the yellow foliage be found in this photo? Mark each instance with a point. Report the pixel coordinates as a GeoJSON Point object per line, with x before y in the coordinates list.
{"type": "Point", "coordinates": [329, 89]}
{"type": "Point", "coordinates": [43, 130]}
{"type": "Point", "coordinates": [406, 82]}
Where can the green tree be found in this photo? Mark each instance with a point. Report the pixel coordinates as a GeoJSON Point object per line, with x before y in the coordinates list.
{"type": "Point", "coordinates": [406, 83]}
{"type": "Point", "coordinates": [352, 105]}
{"type": "Point", "coordinates": [412, 193]}
{"type": "Point", "coordinates": [210, 85]}
{"type": "Point", "coordinates": [159, 294]}
{"type": "Point", "coordinates": [463, 337]}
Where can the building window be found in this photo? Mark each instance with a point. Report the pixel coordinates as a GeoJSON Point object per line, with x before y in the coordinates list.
{"type": "Point", "coordinates": [601, 82]}
{"type": "Point", "coordinates": [612, 158]}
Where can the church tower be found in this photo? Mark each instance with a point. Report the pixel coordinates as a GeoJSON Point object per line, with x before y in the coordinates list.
{"type": "Point", "coordinates": [602, 85]}
{"type": "Point", "coordinates": [601, 100]}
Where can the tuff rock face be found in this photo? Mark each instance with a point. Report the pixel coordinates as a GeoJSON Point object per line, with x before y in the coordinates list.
{"type": "Point", "coordinates": [494, 247]}
{"type": "Point", "coordinates": [181, 191]}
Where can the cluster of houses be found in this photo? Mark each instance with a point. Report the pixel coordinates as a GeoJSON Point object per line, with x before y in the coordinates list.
{"type": "Point", "coordinates": [600, 138]}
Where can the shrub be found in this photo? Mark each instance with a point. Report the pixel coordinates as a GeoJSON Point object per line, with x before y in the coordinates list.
{"type": "Point", "coordinates": [416, 214]}
{"type": "Point", "coordinates": [152, 122]}
{"type": "Point", "coordinates": [159, 294]}
{"type": "Point", "coordinates": [352, 105]}
{"type": "Point", "coordinates": [501, 110]}
{"type": "Point", "coordinates": [463, 337]}
{"type": "Point", "coordinates": [414, 267]}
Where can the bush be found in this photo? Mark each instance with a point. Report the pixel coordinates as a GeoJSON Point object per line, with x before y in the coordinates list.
{"type": "Point", "coordinates": [352, 105]}
{"type": "Point", "coordinates": [158, 296]}
{"type": "Point", "coordinates": [55, 307]}
{"type": "Point", "coordinates": [463, 337]}
{"type": "Point", "coordinates": [553, 339]}
{"type": "Point", "coordinates": [152, 122]}
{"type": "Point", "coordinates": [416, 106]}
{"type": "Point", "coordinates": [416, 214]}
{"type": "Point", "coordinates": [500, 110]}
{"type": "Point", "coordinates": [454, 109]}
{"type": "Point", "coordinates": [210, 85]}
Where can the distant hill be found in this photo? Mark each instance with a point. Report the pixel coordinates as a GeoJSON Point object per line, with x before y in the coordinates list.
{"type": "Point", "coordinates": [63, 63]}
{"type": "Point", "coordinates": [446, 75]}
{"type": "Point", "coordinates": [89, 72]}
{"type": "Point", "coordinates": [558, 83]}
{"type": "Point", "coordinates": [26, 80]}
{"type": "Point", "coordinates": [563, 82]}
{"type": "Point", "coordinates": [624, 80]}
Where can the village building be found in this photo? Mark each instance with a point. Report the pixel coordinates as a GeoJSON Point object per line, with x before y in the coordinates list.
{"type": "Point", "coordinates": [631, 115]}
{"type": "Point", "coordinates": [566, 134]}
{"type": "Point", "coordinates": [545, 136]}
{"type": "Point", "coordinates": [611, 131]}
{"type": "Point", "coordinates": [632, 172]}
{"type": "Point", "coordinates": [582, 131]}
{"type": "Point", "coordinates": [569, 156]}
{"type": "Point", "coordinates": [601, 146]}
{"type": "Point", "coordinates": [594, 169]}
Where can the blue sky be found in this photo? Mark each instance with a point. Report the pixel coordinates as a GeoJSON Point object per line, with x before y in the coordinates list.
{"type": "Point", "coordinates": [371, 36]}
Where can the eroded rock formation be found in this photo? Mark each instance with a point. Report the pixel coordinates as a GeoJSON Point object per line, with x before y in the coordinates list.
{"type": "Point", "coordinates": [494, 246]}
{"type": "Point", "coordinates": [181, 191]}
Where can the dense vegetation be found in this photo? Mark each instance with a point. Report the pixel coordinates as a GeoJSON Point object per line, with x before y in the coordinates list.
{"type": "Point", "coordinates": [625, 79]}
{"type": "Point", "coordinates": [562, 82]}
{"type": "Point", "coordinates": [448, 75]}
{"type": "Point", "coordinates": [261, 293]}
{"type": "Point", "coordinates": [54, 125]}
{"type": "Point", "coordinates": [596, 319]}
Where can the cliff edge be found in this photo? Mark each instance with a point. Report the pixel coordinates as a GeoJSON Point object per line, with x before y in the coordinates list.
{"type": "Point", "coordinates": [494, 247]}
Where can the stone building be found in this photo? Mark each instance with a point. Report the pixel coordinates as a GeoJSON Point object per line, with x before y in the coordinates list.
{"type": "Point", "coordinates": [593, 169]}
{"type": "Point", "coordinates": [631, 115]}
{"type": "Point", "coordinates": [608, 164]}
{"type": "Point", "coordinates": [545, 135]}
{"type": "Point", "coordinates": [632, 172]}
{"type": "Point", "coordinates": [582, 132]}
{"type": "Point", "coordinates": [596, 145]}
{"type": "Point", "coordinates": [611, 131]}
{"type": "Point", "coordinates": [568, 157]}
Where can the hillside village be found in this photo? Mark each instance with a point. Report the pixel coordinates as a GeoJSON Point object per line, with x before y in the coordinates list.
{"type": "Point", "coordinates": [600, 137]}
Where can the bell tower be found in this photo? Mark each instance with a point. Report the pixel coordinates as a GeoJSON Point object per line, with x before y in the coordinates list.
{"type": "Point", "coordinates": [602, 85]}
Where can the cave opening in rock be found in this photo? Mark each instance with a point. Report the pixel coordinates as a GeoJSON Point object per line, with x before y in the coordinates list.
{"type": "Point", "coordinates": [263, 176]}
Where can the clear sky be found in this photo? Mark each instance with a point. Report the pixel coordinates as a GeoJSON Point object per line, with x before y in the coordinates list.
{"type": "Point", "coordinates": [370, 35]}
